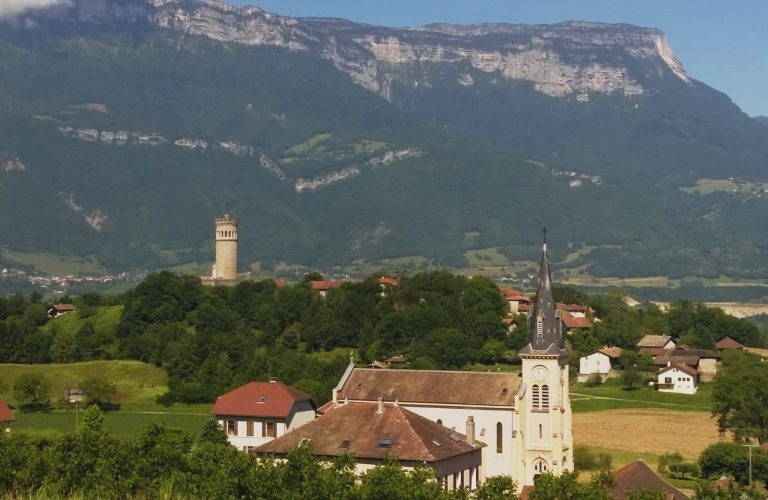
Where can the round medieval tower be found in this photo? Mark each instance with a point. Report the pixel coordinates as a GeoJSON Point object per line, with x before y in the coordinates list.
{"type": "Point", "coordinates": [225, 267]}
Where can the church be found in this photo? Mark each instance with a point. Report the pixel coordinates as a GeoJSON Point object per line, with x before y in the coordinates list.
{"type": "Point", "coordinates": [515, 424]}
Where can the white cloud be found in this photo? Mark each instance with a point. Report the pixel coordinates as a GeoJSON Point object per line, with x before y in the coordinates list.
{"type": "Point", "coordinates": [14, 7]}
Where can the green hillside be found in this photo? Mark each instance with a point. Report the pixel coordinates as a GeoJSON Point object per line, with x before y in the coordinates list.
{"type": "Point", "coordinates": [490, 161]}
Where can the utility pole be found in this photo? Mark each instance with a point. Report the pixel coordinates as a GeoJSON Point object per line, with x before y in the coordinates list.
{"type": "Point", "coordinates": [750, 446]}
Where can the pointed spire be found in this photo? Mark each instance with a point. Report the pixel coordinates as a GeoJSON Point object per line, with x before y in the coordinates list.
{"type": "Point", "coordinates": [544, 324]}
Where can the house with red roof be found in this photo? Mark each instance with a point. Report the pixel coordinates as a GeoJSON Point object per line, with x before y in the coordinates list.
{"type": "Point", "coordinates": [57, 310]}
{"type": "Point", "coordinates": [518, 301]}
{"type": "Point", "coordinates": [259, 412]}
{"type": "Point", "coordinates": [6, 416]}
{"type": "Point", "coordinates": [324, 286]}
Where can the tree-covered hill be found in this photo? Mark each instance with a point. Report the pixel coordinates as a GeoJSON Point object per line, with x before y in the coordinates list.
{"type": "Point", "coordinates": [102, 128]}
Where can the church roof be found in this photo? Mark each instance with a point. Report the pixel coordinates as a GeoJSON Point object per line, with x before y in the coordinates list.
{"type": "Point", "coordinates": [431, 386]}
{"type": "Point", "coordinates": [359, 428]}
{"type": "Point", "coordinates": [545, 328]}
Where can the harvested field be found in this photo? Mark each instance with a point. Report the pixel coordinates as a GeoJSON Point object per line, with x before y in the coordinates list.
{"type": "Point", "coordinates": [647, 431]}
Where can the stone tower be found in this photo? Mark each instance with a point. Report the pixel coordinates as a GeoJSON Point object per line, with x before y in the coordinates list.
{"type": "Point", "coordinates": [225, 267]}
{"type": "Point", "coordinates": [545, 405]}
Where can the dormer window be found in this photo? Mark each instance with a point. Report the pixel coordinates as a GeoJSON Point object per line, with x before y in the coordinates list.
{"type": "Point", "coordinates": [262, 399]}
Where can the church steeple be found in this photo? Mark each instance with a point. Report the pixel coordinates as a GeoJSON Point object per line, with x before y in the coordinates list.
{"type": "Point", "coordinates": [544, 324]}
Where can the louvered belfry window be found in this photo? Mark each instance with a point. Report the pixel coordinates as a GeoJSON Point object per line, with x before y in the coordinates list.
{"type": "Point", "coordinates": [545, 397]}
{"type": "Point", "coordinates": [535, 401]}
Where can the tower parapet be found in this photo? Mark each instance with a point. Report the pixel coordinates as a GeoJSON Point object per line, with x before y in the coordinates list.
{"type": "Point", "coordinates": [225, 267]}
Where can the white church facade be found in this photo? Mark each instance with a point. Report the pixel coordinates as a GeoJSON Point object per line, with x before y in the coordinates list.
{"type": "Point", "coordinates": [524, 419]}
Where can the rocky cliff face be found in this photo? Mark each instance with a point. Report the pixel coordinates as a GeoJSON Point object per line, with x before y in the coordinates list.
{"type": "Point", "coordinates": [573, 58]}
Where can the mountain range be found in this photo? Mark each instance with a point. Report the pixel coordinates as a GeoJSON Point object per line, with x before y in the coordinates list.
{"type": "Point", "coordinates": [127, 125]}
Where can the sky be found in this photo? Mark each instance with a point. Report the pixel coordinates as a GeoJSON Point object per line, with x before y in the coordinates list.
{"type": "Point", "coordinates": [722, 43]}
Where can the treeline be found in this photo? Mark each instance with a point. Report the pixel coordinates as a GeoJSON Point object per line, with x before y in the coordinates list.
{"type": "Point", "coordinates": [211, 339]}
{"type": "Point", "coordinates": [161, 462]}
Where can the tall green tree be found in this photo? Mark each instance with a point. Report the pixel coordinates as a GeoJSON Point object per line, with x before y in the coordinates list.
{"type": "Point", "coordinates": [740, 396]}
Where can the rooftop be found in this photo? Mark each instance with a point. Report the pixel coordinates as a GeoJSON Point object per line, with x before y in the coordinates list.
{"type": "Point", "coordinates": [571, 321]}
{"type": "Point", "coordinates": [63, 307]}
{"type": "Point", "coordinates": [432, 386]}
{"type": "Point", "coordinates": [5, 413]}
{"type": "Point", "coordinates": [682, 367]}
{"type": "Point", "coordinates": [260, 399]}
{"type": "Point", "coordinates": [729, 343]}
{"type": "Point", "coordinates": [326, 285]}
{"type": "Point", "coordinates": [638, 476]}
{"type": "Point", "coordinates": [654, 341]}
{"type": "Point", "coordinates": [359, 428]}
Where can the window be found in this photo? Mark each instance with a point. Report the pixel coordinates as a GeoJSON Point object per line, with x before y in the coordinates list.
{"type": "Point", "coordinates": [262, 399]}
{"type": "Point", "coordinates": [667, 380]}
{"type": "Point", "coordinates": [540, 466]}
{"type": "Point", "coordinates": [499, 438]}
{"type": "Point", "coordinates": [359, 385]}
{"type": "Point", "coordinates": [437, 443]}
{"type": "Point", "coordinates": [504, 391]}
{"type": "Point", "coordinates": [541, 431]}
{"type": "Point", "coordinates": [268, 429]}
{"type": "Point", "coordinates": [385, 443]}
{"type": "Point", "coordinates": [535, 401]}
{"type": "Point", "coordinates": [454, 438]}
{"type": "Point", "coordinates": [231, 428]}
{"type": "Point", "coordinates": [249, 429]}
{"type": "Point", "coordinates": [346, 443]}
{"type": "Point", "coordinates": [545, 397]}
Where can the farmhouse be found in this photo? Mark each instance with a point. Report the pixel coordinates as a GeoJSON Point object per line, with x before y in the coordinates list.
{"type": "Point", "coordinates": [600, 361]}
{"type": "Point", "coordinates": [258, 412]}
{"type": "Point", "coordinates": [374, 430]}
{"type": "Point", "coordinates": [705, 362]}
{"type": "Point", "coordinates": [6, 416]}
{"type": "Point", "coordinates": [657, 341]}
{"type": "Point", "coordinates": [571, 322]}
{"type": "Point", "coordinates": [679, 378]}
{"type": "Point", "coordinates": [516, 299]}
{"type": "Point", "coordinates": [639, 476]}
{"type": "Point", "coordinates": [57, 310]}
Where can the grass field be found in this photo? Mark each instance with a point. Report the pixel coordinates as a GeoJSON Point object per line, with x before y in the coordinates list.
{"type": "Point", "coordinates": [610, 395]}
{"type": "Point", "coordinates": [106, 319]}
{"type": "Point", "coordinates": [307, 145]}
{"type": "Point", "coordinates": [646, 431]}
{"type": "Point", "coordinates": [138, 386]}
{"type": "Point", "coordinates": [486, 257]}
{"type": "Point", "coordinates": [709, 186]}
{"type": "Point", "coordinates": [58, 265]}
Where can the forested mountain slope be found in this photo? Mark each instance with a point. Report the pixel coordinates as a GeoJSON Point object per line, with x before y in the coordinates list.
{"type": "Point", "coordinates": [126, 126]}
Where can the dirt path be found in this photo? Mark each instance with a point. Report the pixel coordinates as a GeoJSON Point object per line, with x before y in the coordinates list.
{"type": "Point", "coordinates": [647, 431]}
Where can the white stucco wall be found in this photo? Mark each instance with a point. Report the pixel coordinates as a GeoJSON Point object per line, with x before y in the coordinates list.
{"type": "Point", "coordinates": [596, 362]}
{"type": "Point", "coordinates": [684, 383]}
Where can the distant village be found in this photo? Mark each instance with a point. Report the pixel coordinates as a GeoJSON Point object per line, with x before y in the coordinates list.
{"type": "Point", "coordinates": [60, 284]}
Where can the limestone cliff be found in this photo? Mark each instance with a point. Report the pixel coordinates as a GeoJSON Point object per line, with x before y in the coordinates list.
{"type": "Point", "coordinates": [572, 58]}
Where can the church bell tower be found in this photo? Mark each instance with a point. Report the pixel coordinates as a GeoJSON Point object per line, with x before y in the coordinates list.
{"type": "Point", "coordinates": [544, 439]}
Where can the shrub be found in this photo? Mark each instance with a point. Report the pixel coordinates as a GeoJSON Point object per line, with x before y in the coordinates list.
{"type": "Point", "coordinates": [594, 380]}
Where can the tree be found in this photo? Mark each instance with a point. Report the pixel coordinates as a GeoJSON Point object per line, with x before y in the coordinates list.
{"type": "Point", "coordinates": [213, 433]}
{"type": "Point", "coordinates": [739, 396]}
{"type": "Point", "coordinates": [668, 459]}
{"type": "Point", "coordinates": [98, 390]}
{"type": "Point", "coordinates": [567, 487]}
{"type": "Point", "coordinates": [647, 494]}
{"type": "Point", "coordinates": [36, 314]}
{"type": "Point", "coordinates": [451, 349]}
{"type": "Point", "coordinates": [630, 377]}
{"type": "Point", "coordinates": [497, 488]}
{"type": "Point", "coordinates": [492, 351]}
{"type": "Point", "coordinates": [628, 358]}
{"type": "Point", "coordinates": [32, 388]}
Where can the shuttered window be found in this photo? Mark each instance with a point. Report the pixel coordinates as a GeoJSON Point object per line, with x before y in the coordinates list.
{"type": "Point", "coordinates": [545, 397]}
{"type": "Point", "coordinates": [535, 401]}
{"type": "Point", "coordinates": [249, 429]}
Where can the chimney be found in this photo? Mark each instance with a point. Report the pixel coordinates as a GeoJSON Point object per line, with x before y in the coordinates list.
{"type": "Point", "coordinates": [381, 405]}
{"type": "Point", "coordinates": [335, 397]}
{"type": "Point", "coordinates": [471, 430]}
{"type": "Point", "coordinates": [669, 363]}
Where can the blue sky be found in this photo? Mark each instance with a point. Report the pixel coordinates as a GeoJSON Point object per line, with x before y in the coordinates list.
{"type": "Point", "coordinates": [722, 43]}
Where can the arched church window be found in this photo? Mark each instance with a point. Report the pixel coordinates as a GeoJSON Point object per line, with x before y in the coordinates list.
{"type": "Point", "coordinates": [499, 437]}
{"type": "Point", "coordinates": [545, 397]}
{"type": "Point", "coordinates": [540, 466]}
{"type": "Point", "coordinates": [535, 401]}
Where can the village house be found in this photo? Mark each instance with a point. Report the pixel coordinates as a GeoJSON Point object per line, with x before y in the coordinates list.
{"type": "Point", "coordinates": [324, 286]}
{"type": "Point", "coordinates": [703, 361]}
{"type": "Point", "coordinates": [728, 344]}
{"type": "Point", "coordinates": [639, 476]}
{"type": "Point", "coordinates": [395, 362]}
{"type": "Point", "coordinates": [657, 341]}
{"type": "Point", "coordinates": [57, 310]}
{"type": "Point", "coordinates": [571, 322]}
{"type": "Point", "coordinates": [259, 412]}
{"type": "Point", "coordinates": [6, 415]}
{"type": "Point", "coordinates": [601, 361]}
{"type": "Point", "coordinates": [516, 299]}
{"type": "Point", "coordinates": [374, 430]}
{"type": "Point", "coordinates": [679, 378]}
